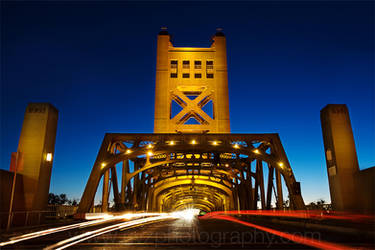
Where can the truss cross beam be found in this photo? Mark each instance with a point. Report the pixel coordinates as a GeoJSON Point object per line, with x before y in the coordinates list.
{"type": "Point", "coordinates": [165, 172]}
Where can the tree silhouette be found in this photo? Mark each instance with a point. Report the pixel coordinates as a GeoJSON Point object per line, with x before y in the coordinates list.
{"type": "Point", "coordinates": [61, 199]}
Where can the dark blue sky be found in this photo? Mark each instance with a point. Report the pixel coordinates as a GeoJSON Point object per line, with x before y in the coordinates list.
{"type": "Point", "coordinates": [95, 61]}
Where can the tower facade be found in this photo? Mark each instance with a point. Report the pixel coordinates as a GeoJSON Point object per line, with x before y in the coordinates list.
{"type": "Point", "coordinates": [191, 92]}
{"type": "Point", "coordinates": [341, 156]}
{"type": "Point", "coordinates": [37, 146]}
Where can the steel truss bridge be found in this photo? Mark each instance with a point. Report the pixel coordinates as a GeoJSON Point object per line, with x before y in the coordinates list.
{"type": "Point", "coordinates": [166, 172]}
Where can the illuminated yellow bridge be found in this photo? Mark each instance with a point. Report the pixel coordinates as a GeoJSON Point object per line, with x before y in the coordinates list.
{"type": "Point", "coordinates": [167, 172]}
{"type": "Point", "coordinates": [192, 160]}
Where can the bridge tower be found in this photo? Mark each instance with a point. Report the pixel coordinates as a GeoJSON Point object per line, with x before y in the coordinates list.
{"type": "Point", "coordinates": [189, 81]}
{"type": "Point", "coordinates": [192, 159]}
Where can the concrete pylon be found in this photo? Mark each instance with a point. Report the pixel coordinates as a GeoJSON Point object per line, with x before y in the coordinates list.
{"type": "Point", "coordinates": [341, 156]}
{"type": "Point", "coordinates": [37, 145]}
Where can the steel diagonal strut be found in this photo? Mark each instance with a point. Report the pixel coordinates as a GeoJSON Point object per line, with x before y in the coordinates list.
{"type": "Point", "coordinates": [206, 171]}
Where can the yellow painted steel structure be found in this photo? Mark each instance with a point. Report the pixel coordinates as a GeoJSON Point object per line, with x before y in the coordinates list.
{"type": "Point", "coordinates": [186, 165]}
{"type": "Point", "coordinates": [191, 77]}
{"type": "Point", "coordinates": [165, 172]}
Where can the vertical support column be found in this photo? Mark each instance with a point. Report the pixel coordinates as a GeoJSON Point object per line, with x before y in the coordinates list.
{"type": "Point", "coordinates": [105, 194]}
{"type": "Point", "coordinates": [151, 198]}
{"type": "Point", "coordinates": [279, 190]}
{"type": "Point", "coordinates": [129, 195]}
{"type": "Point", "coordinates": [143, 190]}
{"type": "Point", "coordinates": [147, 197]}
{"type": "Point", "coordinates": [116, 195]}
{"type": "Point", "coordinates": [269, 186]}
{"type": "Point", "coordinates": [162, 115]}
{"type": "Point", "coordinates": [221, 101]}
{"type": "Point", "coordinates": [124, 181]}
{"type": "Point", "coordinates": [236, 197]}
{"type": "Point", "coordinates": [250, 187]}
{"type": "Point", "coordinates": [135, 186]}
{"type": "Point", "coordinates": [242, 186]}
{"type": "Point", "coordinates": [261, 183]}
{"type": "Point", "coordinates": [256, 192]}
{"type": "Point", "coordinates": [244, 196]}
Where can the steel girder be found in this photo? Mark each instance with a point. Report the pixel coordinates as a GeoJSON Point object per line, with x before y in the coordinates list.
{"type": "Point", "coordinates": [162, 172]}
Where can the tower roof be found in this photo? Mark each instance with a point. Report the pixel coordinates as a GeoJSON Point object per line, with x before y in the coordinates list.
{"type": "Point", "coordinates": [219, 32]}
{"type": "Point", "coordinates": [163, 31]}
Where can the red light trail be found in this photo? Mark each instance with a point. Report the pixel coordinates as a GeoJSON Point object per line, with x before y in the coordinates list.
{"type": "Point", "coordinates": [315, 214]}
{"type": "Point", "coordinates": [304, 214]}
{"type": "Point", "coordinates": [298, 239]}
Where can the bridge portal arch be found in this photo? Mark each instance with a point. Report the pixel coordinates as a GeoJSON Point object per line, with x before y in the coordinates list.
{"type": "Point", "coordinates": [234, 164]}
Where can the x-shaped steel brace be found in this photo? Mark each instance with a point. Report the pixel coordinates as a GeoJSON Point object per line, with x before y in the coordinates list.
{"type": "Point", "coordinates": [191, 108]}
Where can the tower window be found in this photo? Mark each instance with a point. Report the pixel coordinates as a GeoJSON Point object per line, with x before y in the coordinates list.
{"type": "Point", "coordinates": [210, 64]}
{"type": "Point", "coordinates": [197, 64]}
{"type": "Point", "coordinates": [185, 75]}
{"type": "Point", "coordinates": [198, 75]}
{"type": "Point", "coordinates": [173, 75]}
{"type": "Point", "coordinates": [186, 64]}
{"type": "Point", "coordinates": [210, 75]}
{"type": "Point", "coordinates": [174, 64]}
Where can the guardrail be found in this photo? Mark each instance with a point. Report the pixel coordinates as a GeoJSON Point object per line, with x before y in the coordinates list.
{"type": "Point", "coordinates": [37, 217]}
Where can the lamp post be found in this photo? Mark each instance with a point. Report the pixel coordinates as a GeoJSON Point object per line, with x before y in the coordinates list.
{"type": "Point", "coordinates": [12, 192]}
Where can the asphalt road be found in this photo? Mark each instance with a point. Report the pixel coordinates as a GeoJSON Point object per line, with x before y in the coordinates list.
{"type": "Point", "coordinates": [186, 234]}
{"type": "Point", "coordinates": [167, 233]}
{"type": "Point", "coordinates": [49, 239]}
{"type": "Point", "coordinates": [198, 233]}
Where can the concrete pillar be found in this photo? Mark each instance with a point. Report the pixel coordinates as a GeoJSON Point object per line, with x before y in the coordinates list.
{"type": "Point", "coordinates": [341, 156]}
{"type": "Point", "coordinates": [37, 144]}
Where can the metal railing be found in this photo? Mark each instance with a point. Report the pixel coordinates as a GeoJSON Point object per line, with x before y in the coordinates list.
{"type": "Point", "coordinates": [37, 217]}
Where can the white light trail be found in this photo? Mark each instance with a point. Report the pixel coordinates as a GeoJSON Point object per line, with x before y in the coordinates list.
{"type": "Point", "coordinates": [88, 235]}
{"type": "Point", "coordinates": [101, 218]}
{"type": "Point", "coordinates": [94, 219]}
{"type": "Point", "coordinates": [53, 230]}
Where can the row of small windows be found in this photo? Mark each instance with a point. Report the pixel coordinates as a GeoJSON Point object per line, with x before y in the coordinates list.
{"type": "Point", "coordinates": [196, 75]}
{"type": "Point", "coordinates": [36, 109]}
{"type": "Point", "coordinates": [197, 64]}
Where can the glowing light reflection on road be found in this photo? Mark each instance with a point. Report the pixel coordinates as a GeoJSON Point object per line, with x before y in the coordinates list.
{"type": "Point", "coordinates": [95, 219]}
{"type": "Point", "coordinates": [53, 230]}
{"type": "Point", "coordinates": [88, 235]}
{"type": "Point", "coordinates": [298, 239]}
{"type": "Point", "coordinates": [303, 214]}
{"type": "Point", "coordinates": [135, 219]}
{"type": "Point", "coordinates": [187, 215]}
